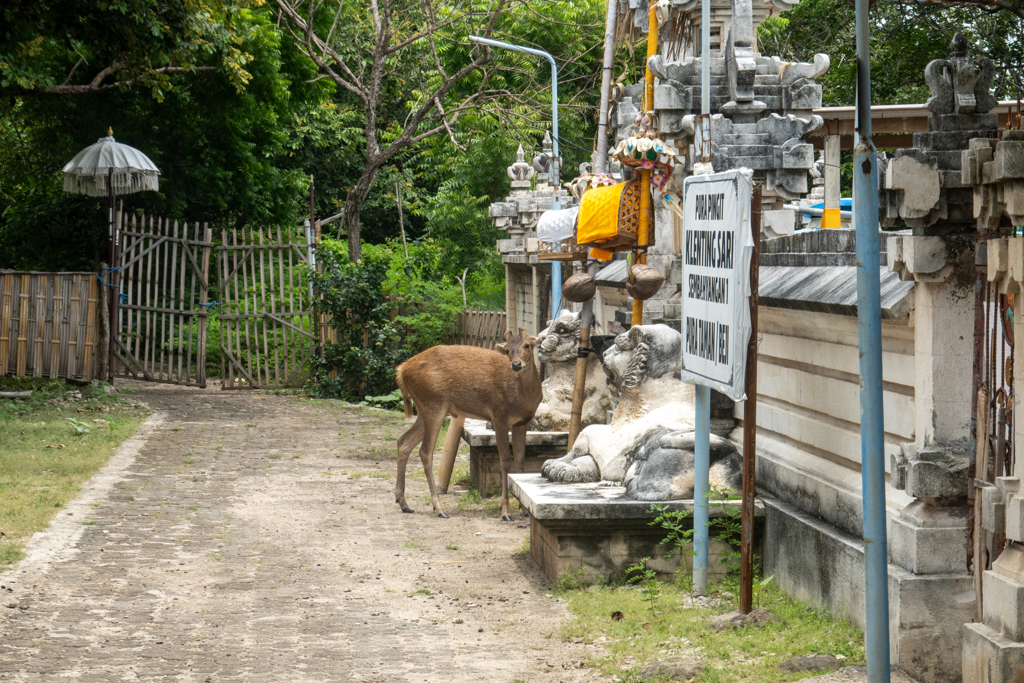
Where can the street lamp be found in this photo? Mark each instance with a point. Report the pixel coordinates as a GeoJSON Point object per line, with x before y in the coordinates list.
{"type": "Point", "coordinates": [556, 266]}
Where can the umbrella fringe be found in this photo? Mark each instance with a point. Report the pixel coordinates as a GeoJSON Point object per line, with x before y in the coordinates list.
{"type": "Point", "coordinates": [126, 181]}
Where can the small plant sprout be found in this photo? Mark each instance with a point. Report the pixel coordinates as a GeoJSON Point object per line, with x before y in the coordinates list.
{"type": "Point", "coordinates": [640, 575]}
{"type": "Point", "coordinates": [760, 586]}
{"type": "Point", "coordinates": [80, 427]}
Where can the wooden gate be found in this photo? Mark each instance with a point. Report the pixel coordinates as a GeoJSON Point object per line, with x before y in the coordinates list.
{"type": "Point", "coordinates": [161, 317]}
{"type": "Point", "coordinates": [477, 327]}
{"type": "Point", "coordinates": [268, 333]}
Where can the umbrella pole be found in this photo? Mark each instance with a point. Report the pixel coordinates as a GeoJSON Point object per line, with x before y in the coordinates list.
{"type": "Point", "coordinates": [114, 257]}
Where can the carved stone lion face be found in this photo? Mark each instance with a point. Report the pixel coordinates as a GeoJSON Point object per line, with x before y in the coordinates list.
{"type": "Point", "coordinates": [623, 360]}
{"type": "Point", "coordinates": [558, 343]}
{"type": "Point", "coordinates": [644, 351]}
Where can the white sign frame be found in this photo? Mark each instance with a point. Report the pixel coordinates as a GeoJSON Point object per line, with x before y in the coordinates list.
{"type": "Point", "coordinates": [717, 248]}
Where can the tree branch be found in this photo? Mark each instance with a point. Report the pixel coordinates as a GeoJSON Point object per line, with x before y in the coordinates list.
{"type": "Point", "coordinates": [95, 86]}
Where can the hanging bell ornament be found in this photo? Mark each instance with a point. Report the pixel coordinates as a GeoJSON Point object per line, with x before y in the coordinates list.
{"type": "Point", "coordinates": [645, 151]}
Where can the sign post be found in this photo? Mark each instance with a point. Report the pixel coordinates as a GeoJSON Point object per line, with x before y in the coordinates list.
{"type": "Point", "coordinates": [717, 248]}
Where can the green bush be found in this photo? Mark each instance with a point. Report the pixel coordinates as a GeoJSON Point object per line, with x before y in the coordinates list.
{"type": "Point", "coordinates": [384, 310]}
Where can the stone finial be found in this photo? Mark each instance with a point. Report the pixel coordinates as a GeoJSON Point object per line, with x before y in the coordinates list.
{"type": "Point", "coordinates": [960, 84]}
{"type": "Point", "coordinates": [542, 162]}
{"type": "Point", "coordinates": [520, 172]}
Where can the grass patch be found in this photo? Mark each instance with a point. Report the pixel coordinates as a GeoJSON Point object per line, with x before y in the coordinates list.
{"type": "Point", "coordinates": [673, 626]}
{"type": "Point", "coordinates": [44, 459]}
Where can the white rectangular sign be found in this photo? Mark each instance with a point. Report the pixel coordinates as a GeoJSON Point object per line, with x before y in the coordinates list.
{"type": "Point", "coordinates": [717, 247]}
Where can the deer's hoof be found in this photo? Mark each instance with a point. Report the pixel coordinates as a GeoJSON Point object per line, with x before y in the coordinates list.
{"type": "Point", "coordinates": [442, 515]}
{"type": "Point", "coordinates": [507, 518]}
{"type": "Point", "coordinates": [407, 511]}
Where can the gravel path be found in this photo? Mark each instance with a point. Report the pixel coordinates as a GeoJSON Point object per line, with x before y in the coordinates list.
{"type": "Point", "coordinates": [245, 536]}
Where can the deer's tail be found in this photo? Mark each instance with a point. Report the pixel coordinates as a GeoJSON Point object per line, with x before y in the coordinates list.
{"type": "Point", "coordinates": [406, 401]}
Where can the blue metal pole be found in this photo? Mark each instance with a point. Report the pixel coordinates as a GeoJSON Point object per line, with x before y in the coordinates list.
{"type": "Point", "coordinates": [869, 332]}
{"type": "Point", "coordinates": [701, 467]}
{"type": "Point", "coordinates": [556, 266]}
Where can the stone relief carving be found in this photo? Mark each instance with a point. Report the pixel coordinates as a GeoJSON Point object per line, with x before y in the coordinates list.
{"type": "Point", "coordinates": [645, 445]}
{"type": "Point", "coordinates": [557, 346]}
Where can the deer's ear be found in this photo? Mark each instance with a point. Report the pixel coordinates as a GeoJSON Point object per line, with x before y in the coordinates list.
{"type": "Point", "coordinates": [532, 339]}
{"type": "Point", "coordinates": [500, 348]}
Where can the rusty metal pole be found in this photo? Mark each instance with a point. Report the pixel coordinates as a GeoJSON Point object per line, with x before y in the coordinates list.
{"type": "Point", "coordinates": [114, 258]}
{"type": "Point", "coordinates": [646, 213]}
{"type": "Point", "coordinates": [750, 421]}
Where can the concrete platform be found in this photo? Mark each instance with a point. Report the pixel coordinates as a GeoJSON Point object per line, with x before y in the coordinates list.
{"type": "Point", "coordinates": [484, 464]}
{"type": "Point", "coordinates": [597, 529]}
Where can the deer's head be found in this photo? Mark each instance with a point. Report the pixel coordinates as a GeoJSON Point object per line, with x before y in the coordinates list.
{"type": "Point", "coordinates": [518, 348]}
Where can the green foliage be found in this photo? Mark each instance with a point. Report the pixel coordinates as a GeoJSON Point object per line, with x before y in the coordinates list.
{"type": "Point", "coordinates": [388, 401]}
{"type": "Point", "coordinates": [384, 310]}
{"type": "Point", "coordinates": [571, 581]}
{"type": "Point", "coordinates": [79, 426]}
{"type": "Point", "coordinates": [639, 574]}
{"type": "Point", "coordinates": [367, 346]}
{"type": "Point", "coordinates": [904, 38]}
{"type": "Point", "coordinates": [678, 533]}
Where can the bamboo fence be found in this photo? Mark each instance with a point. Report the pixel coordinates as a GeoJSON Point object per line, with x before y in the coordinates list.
{"type": "Point", "coordinates": [48, 324]}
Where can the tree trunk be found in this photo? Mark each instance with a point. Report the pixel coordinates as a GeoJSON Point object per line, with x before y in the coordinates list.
{"type": "Point", "coordinates": [354, 205]}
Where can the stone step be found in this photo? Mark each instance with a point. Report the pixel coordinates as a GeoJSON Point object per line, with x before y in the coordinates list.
{"type": "Point", "coordinates": [746, 139]}
{"type": "Point", "coordinates": [748, 150]}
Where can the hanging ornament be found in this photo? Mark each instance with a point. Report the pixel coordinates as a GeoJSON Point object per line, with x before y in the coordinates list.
{"type": "Point", "coordinates": [586, 180]}
{"type": "Point", "coordinates": [645, 151]}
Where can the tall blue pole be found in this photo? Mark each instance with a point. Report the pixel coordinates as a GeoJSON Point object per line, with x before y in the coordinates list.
{"type": "Point", "coordinates": [701, 468]}
{"type": "Point", "coordinates": [702, 395]}
{"type": "Point", "coordinates": [556, 266]}
{"type": "Point", "coordinates": [869, 333]}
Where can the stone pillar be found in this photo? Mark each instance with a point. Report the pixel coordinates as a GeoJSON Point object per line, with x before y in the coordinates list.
{"type": "Point", "coordinates": [833, 192]}
{"type": "Point", "coordinates": [511, 322]}
{"type": "Point", "coordinates": [928, 538]}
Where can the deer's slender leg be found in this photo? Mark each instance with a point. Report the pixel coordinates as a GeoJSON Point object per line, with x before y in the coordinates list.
{"type": "Point", "coordinates": [519, 448]}
{"type": "Point", "coordinates": [505, 456]}
{"type": "Point", "coordinates": [432, 427]}
{"type": "Point", "coordinates": [406, 443]}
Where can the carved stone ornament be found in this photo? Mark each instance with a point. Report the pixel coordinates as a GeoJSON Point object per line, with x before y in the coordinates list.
{"type": "Point", "coordinates": [520, 172]}
{"type": "Point", "coordinates": [960, 84]}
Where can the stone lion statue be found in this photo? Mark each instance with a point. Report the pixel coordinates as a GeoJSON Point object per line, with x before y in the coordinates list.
{"type": "Point", "coordinates": [557, 346]}
{"type": "Point", "coordinates": [648, 446]}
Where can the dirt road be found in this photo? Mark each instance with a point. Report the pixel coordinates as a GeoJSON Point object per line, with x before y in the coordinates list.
{"type": "Point", "coordinates": [244, 536]}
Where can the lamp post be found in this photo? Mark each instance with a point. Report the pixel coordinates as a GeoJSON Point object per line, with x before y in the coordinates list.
{"type": "Point", "coordinates": [869, 333]}
{"type": "Point", "coordinates": [556, 267]}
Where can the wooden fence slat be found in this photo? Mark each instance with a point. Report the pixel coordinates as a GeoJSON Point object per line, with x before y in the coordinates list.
{"type": "Point", "coordinates": [89, 357]}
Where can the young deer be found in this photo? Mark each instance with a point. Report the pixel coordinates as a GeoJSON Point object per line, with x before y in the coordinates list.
{"type": "Point", "coordinates": [502, 386]}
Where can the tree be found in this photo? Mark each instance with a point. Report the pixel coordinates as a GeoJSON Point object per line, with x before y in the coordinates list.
{"type": "Point", "coordinates": [388, 52]}
{"type": "Point", "coordinates": [80, 47]}
{"type": "Point", "coordinates": [905, 36]}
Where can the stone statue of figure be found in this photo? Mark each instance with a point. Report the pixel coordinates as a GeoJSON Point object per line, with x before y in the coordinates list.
{"type": "Point", "coordinates": [557, 346]}
{"type": "Point", "coordinates": [648, 446]}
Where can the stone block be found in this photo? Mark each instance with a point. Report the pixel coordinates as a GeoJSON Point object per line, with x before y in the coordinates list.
{"type": "Point", "coordinates": [990, 657]}
{"type": "Point", "coordinates": [917, 180]}
{"type": "Point", "coordinates": [1003, 604]}
{"type": "Point", "coordinates": [993, 509]}
{"type": "Point", "coordinates": [776, 223]}
{"type": "Point", "coordinates": [596, 529]}
{"type": "Point", "coordinates": [1015, 519]}
{"type": "Point", "coordinates": [931, 471]}
{"type": "Point", "coordinates": [485, 464]}
{"type": "Point", "coordinates": [1008, 161]}
{"type": "Point", "coordinates": [928, 539]}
